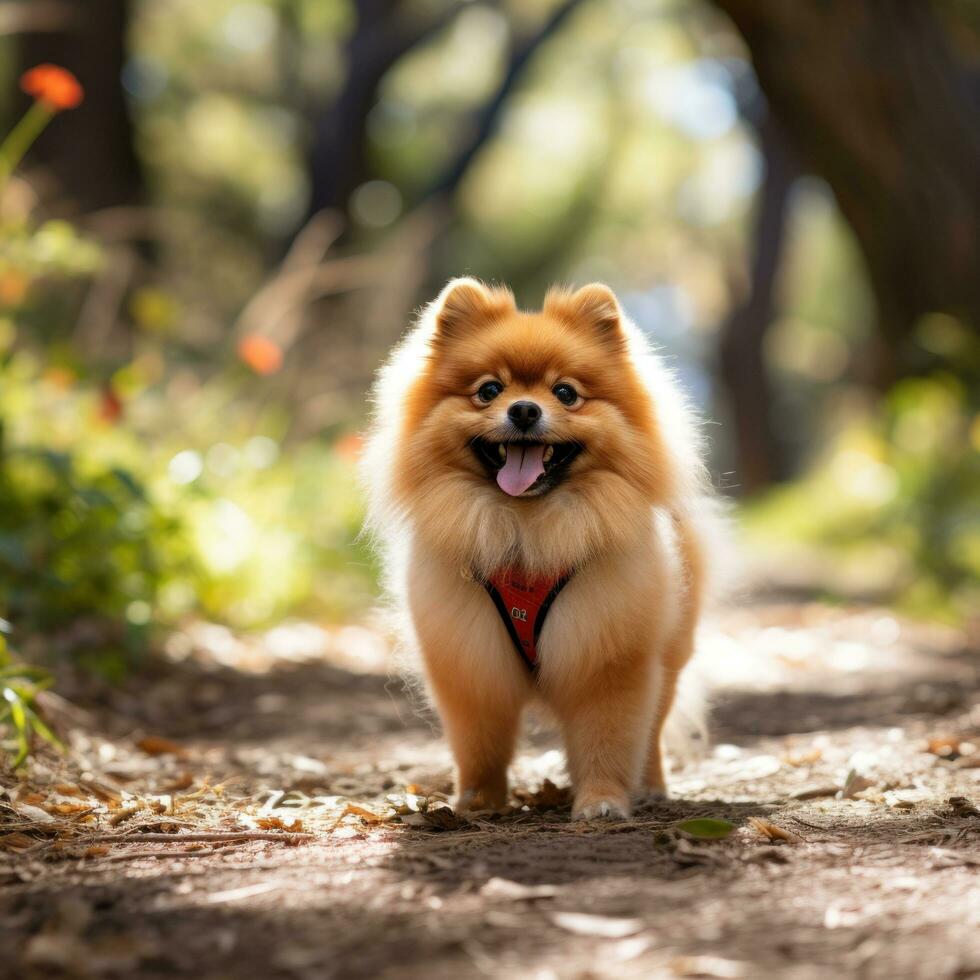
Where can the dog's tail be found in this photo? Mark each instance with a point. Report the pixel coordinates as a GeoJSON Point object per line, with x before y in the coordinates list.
{"type": "Point", "coordinates": [708, 549]}
{"type": "Point", "coordinates": [685, 734]}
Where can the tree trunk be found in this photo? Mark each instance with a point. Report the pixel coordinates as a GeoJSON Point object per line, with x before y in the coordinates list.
{"type": "Point", "coordinates": [338, 155]}
{"type": "Point", "coordinates": [743, 366]}
{"type": "Point", "coordinates": [874, 99]}
{"type": "Point", "coordinates": [90, 149]}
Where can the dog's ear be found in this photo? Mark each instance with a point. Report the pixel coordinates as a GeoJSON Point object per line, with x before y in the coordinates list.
{"type": "Point", "coordinates": [594, 307]}
{"type": "Point", "coordinates": [466, 304]}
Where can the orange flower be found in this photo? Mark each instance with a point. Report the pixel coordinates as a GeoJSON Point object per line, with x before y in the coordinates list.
{"type": "Point", "coordinates": [56, 87]}
{"type": "Point", "coordinates": [110, 404]}
{"type": "Point", "coordinates": [262, 355]}
{"type": "Point", "coordinates": [13, 287]}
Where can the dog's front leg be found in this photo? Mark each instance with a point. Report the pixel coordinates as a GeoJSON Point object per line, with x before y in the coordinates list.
{"type": "Point", "coordinates": [481, 723]}
{"type": "Point", "coordinates": [605, 719]}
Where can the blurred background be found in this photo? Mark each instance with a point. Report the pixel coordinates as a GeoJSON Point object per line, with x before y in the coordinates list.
{"type": "Point", "coordinates": [202, 265]}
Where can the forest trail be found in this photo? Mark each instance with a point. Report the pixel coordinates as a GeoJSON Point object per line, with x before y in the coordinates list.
{"type": "Point", "coordinates": [321, 847]}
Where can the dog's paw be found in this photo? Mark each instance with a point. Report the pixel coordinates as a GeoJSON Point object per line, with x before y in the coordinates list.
{"type": "Point", "coordinates": [479, 801]}
{"type": "Point", "coordinates": [601, 808]}
{"type": "Point", "coordinates": [656, 795]}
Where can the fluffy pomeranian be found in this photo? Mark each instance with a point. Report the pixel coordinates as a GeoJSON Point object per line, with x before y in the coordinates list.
{"type": "Point", "coordinates": [536, 482]}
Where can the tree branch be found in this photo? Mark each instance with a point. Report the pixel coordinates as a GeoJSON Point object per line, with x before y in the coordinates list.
{"type": "Point", "coordinates": [489, 116]}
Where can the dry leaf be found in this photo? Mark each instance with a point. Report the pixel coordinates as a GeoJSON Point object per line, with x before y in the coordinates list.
{"type": "Point", "coordinates": [813, 792]}
{"type": "Point", "coordinates": [548, 797]}
{"type": "Point", "coordinates": [96, 850]}
{"type": "Point", "coordinates": [63, 809]}
{"type": "Point", "coordinates": [707, 966]}
{"type": "Point", "coordinates": [442, 817]}
{"type": "Point", "coordinates": [803, 758]}
{"type": "Point", "coordinates": [854, 784]}
{"type": "Point", "coordinates": [603, 926]}
{"type": "Point", "coordinates": [184, 781]}
{"type": "Point", "coordinates": [33, 813]}
{"type": "Point", "coordinates": [773, 833]}
{"type": "Point", "coordinates": [68, 789]}
{"type": "Point", "coordinates": [962, 807]}
{"type": "Point", "coordinates": [276, 823]}
{"type": "Point", "coordinates": [16, 842]}
{"type": "Point", "coordinates": [945, 746]}
{"type": "Point", "coordinates": [124, 814]}
{"type": "Point", "coordinates": [505, 888]}
{"type": "Point", "coordinates": [359, 811]}
{"type": "Point", "coordinates": [155, 745]}
{"type": "Point", "coordinates": [99, 790]}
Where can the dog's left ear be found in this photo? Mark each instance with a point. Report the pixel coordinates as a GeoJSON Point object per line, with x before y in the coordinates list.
{"type": "Point", "coordinates": [594, 307]}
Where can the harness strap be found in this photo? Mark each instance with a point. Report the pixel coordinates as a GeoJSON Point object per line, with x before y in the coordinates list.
{"type": "Point", "coordinates": [523, 604]}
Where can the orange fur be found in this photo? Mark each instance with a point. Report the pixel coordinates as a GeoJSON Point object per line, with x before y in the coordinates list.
{"type": "Point", "coordinates": [625, 518]}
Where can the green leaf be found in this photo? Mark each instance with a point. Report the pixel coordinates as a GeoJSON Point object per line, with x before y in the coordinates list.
{"type": "Point", "coordinates": [19, 670]}
{"type": "Point", "coordinates": [19, 718]}
{"type": "Point", "coordinates": [42, 729]}
{"type": "Point", "coordinates": [706, 828]}
{"type": "Point", "coordinates": [129, 482]}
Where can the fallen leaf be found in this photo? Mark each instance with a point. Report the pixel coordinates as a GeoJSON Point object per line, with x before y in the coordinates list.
{"type": "Point", "coordinates": [962, 807]}
{"type": "Point", "coordinates": [944, 857]}
{"type": "Point", "coordinates": [277, 823]}
{"type": "Point", "coordinates": [124, 814]}
{"type": "Point", "coordinates": [706, 828]}
{"type": "Point", "coordinates": [945, 746]}
{"type": "Point", "coordinates": [771, 832]}
{"type": "Point", "coordinates": [813, 792]}
{"type": "Point", "coordinates": [366, 815]}
{"type": "Point", "coordinates": [246, 891]}
{"type": "Point", "coordinates": [16, 842]}
{"type": "Point", "coordinates": [63, 809]}
{"type": "Point", "coordinates": [155, 745]}
{"type": "Point", "coordinates": [443, 817]}
{"type": "Point", "coordinates": [803, 758]}
{"type": "Point", "coordinates": [33, 813]}
{"type": "Point", "coordinates": [707, 966]}
{"type": "Point", "coordinates": [105, 793]}
{"type": "Point", "coordinates": [505, 888]}
{"type": "Point", "coordinates": [603, 926]}
{"type": "Point", "coordinates": [548, 797]}
{"type": "Point", "coordinates": [854, 784]}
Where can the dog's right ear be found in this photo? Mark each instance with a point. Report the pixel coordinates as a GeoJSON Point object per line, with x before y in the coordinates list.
{"type": "Point", "coordinates": [466, 304]}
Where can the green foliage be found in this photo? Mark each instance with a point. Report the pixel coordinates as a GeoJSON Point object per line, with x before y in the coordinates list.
{"type": "Point", "coordinates": [105, 533]}
{"type": "Point", "coordinates": [77, 546]}
{"type": "Point", "coordinates": [19, 686]}
{"type": "Point", "coordinates": [895, 501]}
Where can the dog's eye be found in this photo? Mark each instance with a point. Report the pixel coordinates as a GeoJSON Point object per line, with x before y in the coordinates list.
{"type": "Point", "coordinates": [565, 393]}
{"type": "Point", "coordinates": [489, 390]}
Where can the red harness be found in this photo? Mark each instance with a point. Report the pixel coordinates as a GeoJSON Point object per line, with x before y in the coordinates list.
{"type": "Point", "coordinates": [523, 604]}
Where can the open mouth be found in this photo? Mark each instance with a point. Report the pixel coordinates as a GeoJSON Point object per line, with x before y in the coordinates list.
{"type": "Point", "coordinates": [526, 467]}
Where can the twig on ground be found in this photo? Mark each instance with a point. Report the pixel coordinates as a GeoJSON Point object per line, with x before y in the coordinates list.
{"type": "Point", "coordinates": [161, 855]}
{"type": "Point", "coordinates": [195, 838]}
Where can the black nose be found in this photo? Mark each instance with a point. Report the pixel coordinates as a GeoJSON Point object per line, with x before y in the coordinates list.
{"type": "Point", "coordinates": [524, 414]}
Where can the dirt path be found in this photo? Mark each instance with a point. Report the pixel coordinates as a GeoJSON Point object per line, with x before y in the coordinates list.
{"type": "Point", "coordinates": [853, 734]}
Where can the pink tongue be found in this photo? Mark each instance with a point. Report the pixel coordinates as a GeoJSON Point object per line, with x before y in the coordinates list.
{"type": "Point", "coordinates": [524, 465]}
